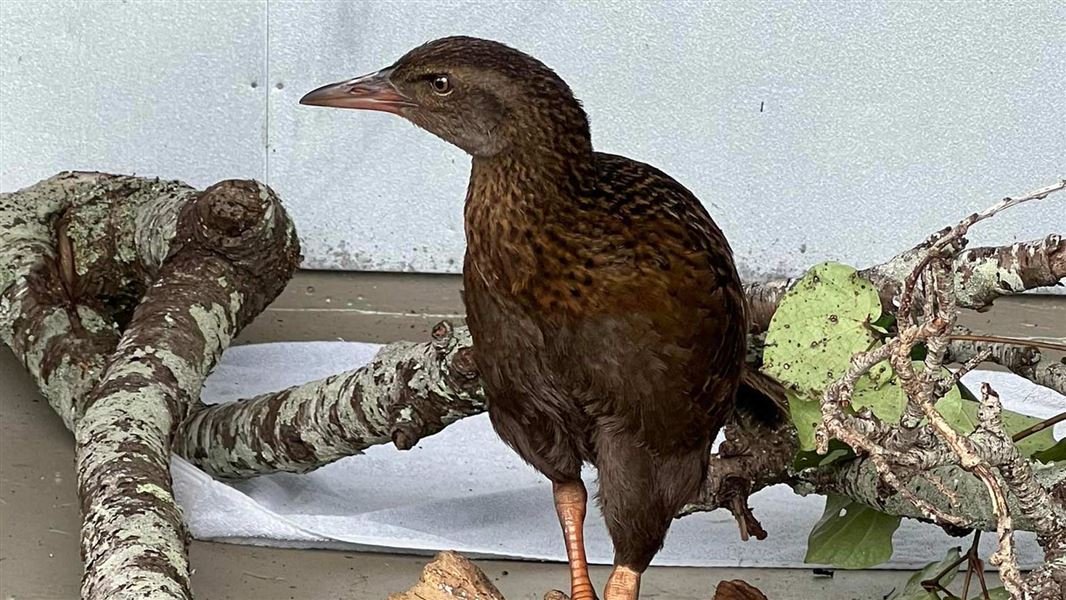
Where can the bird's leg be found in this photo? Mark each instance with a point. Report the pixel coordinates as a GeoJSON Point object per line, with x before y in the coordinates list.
{"type": "Point", "coordinates": [624, 584]}
{"type": "Point", "coordinates": [570, 501]}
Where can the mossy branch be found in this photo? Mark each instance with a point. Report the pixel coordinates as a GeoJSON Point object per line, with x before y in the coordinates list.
{"type": "Point", "coordinates": [177, 272]}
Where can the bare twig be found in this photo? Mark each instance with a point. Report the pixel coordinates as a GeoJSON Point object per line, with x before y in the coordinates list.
{"type": "Point", "coordinates": [1024, 361]}
{"type": "Point", "coordinates": [1038, 427]}
{"type": "Point", "coordinates": [996, 339]}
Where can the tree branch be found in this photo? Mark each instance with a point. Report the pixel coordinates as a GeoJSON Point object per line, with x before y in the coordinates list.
{"type": "Point", "coordinates": [981, 275]}
{"type": "Point", "coordinates": [1025, 361]}
{"type": "Point", "coordinates": [206, 263]}
{"type": "Point", "coordinates": [407, 392]}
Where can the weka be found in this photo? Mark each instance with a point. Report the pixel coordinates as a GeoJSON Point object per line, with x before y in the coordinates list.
{"type": "Point", "coordinates": [607, 316]}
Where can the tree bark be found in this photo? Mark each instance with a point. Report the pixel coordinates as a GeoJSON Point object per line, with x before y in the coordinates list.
{"type": "Point", "coordinates": [79, 251]}
{"type": "Point", "coordinates": [409, 391]}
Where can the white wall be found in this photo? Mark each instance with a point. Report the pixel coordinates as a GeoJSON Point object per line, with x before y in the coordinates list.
{"type": "Point", "coordinates": [812, 131]}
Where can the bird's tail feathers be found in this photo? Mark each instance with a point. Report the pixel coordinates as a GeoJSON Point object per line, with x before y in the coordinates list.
{"type": "Point", "coordinates": [762, 397]}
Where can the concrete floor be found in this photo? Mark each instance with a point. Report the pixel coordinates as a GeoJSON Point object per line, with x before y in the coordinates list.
{"type": "Point", "coordinates": [39, 514]}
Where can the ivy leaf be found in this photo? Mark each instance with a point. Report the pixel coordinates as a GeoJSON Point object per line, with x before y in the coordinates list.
{"type": "Point", "coordinates": [914, 590]}
{"type": "Point", "coordinates": [851, 535]}
{"type": "Point", "coordinates": [819, 324]}
{"type": "Point", "coordinates": [999, 593]}
{"type": "Point", "coordinates": [1055, 453]}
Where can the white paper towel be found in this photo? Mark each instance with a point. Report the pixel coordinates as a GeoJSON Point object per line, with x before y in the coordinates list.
{"type": "Point", "coordinates": [464, 490]}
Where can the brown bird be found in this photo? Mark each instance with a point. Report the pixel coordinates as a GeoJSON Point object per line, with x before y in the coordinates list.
{"type": "Point", "coordinates": [607, 316]}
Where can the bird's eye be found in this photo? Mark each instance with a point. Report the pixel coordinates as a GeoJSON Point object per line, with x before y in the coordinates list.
{"type": "Point", "coordinates": [441, 85]}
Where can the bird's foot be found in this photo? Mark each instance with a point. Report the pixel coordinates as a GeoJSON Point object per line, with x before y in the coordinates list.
{"type": "Point", "coordinates": [624, 584]}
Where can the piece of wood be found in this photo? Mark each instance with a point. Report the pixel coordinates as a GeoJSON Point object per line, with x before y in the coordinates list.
{"type": "Point", "coordinates": [450, 576]}
{"type": "Point", "coordinates": [737, 590]}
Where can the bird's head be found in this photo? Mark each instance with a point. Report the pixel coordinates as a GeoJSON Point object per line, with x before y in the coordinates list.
{"type": "Point", "coordinates": [479, 95]}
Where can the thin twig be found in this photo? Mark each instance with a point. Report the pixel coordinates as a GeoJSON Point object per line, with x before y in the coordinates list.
{"type": "Point", "coordinates": [995, 339]}
{"type": "Point", "coordinates": [972, 561]}
{"type": "Point", "coordinates": [1038, 427]}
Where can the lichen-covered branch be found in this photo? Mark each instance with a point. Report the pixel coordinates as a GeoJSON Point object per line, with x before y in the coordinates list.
{"type": "Point", "coordinates": [234, 250]}
{"type": "Point", "coordinates": [858, 480]}
{"type": "Point", "coordinates": [981, 275]}
{"type": "Point", "coordinates": [407, 392]}
{"type": "Point", "coordinates": [75, 257]}
{"type": "Point", "coordinates": [86, 255]}
{"type": "Point", "coordinates": [1025, 361]}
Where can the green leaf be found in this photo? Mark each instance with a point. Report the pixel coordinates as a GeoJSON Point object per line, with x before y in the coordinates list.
{"type": "Point", "coordinates": [881, 392]}
{"type": "Point", "coordinates": [914, 590]}
{"type": "Point", "coordinates": [826, 318]}
{"type": "Point", "coordinates": [919, 352]}
{"type": "Point", "coordinates": [1055, 453]}
{"type": "Point", "coordinates": [885, 322]}
{"type": "Point", "coordinates": [806, 414]}
{"type": "Point", "coordinates": [851, 535]}
{"type": "Point", "coordinates": [838, 451]}
{"type": "Point", "coordinates": [885, 397]}
{"type": "Point", "coordinates": [964, 418]}
{"type": "Point", "coordinates": [820, 323]}
{"type": "Point", "coordinates": [998, 594]}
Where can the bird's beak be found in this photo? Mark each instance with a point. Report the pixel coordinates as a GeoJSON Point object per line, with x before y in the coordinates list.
{"type": "Point", "coordinates": [369, 92]}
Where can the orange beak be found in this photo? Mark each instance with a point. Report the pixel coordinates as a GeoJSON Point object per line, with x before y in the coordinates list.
{"type": "Point", "coordinates": [369, 92]}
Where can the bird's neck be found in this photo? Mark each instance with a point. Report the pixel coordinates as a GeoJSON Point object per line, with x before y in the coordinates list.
{"type": "Point", "coordinates": [524, 212]}
{"type": "Point", "coordinates": [548, 154]}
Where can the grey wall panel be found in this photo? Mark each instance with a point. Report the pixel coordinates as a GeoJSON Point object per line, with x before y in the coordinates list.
{"type": "Point", "coordinates": [812, 131]}
{"type": "Point", "coordinates": [367, 190]}
{"type": "Point", "coordinates": [174, 89]}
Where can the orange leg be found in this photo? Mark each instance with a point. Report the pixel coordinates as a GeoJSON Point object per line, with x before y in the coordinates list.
{"type": "Point", "coordinates": [624, 584]}
{"type": "Point", "coordinates": [570, 500]}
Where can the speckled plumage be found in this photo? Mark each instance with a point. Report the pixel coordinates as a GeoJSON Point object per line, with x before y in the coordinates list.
{"type": "Point", "coordinates": [607, 315]}
{"type": "Point", "coordinates": [603, 303]}
{"type": "Point", "coordinates": [608, 328]}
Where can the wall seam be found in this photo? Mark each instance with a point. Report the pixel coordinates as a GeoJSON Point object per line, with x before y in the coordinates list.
{"type": "Point", "coordinates": [266, 94]}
